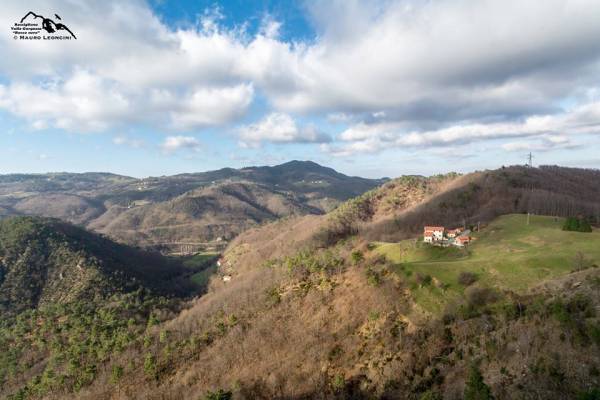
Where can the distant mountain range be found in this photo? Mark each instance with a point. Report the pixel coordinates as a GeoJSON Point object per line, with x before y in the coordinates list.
{"type": "Point", "coordinates": [187, 208]}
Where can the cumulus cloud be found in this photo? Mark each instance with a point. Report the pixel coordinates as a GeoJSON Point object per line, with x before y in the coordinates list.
{"type": "Point", "coordinates": [215, 106]}
{"type": "Point", "coordinates": [551, 129]}
{"type": "Point", "coordinates": [280, 128]}
{"type": "Point", "coordinates": [415, 73]}
{"type": "Point", "coordinates": [173, 144]}
{"type": "Point", "coordinates": [126, 67]}
{"type": "Point", "coordinates": [82, 102]}
{"type": "Point", "coordinates": [441, 60]}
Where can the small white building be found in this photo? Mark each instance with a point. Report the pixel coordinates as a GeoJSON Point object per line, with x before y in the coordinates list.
{"type": "Point", "coordinates": [436, 233]}
{"type": "Point", "coordinates": [428, 237]}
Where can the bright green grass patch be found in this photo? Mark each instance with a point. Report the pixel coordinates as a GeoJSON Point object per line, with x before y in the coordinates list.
{"type": "Point", "coordinates": [200, 260]}
{"type": "Point", "coordinates": [507, 254]}
{"type": "Point", "coordinates": [202, 278]}
{"type": "Point", "coordinates": [202, 266]}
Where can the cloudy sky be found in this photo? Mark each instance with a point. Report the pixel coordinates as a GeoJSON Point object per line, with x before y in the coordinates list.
{"type": "Point", "coordinates": [371, 88]}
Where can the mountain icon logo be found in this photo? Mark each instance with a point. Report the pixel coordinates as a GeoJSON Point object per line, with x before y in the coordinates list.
{"type": "Point", "coordinates": [48, 24]}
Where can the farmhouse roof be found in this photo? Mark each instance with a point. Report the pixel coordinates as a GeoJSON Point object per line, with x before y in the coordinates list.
{"type": "Point", "coordinates": [433, 228]}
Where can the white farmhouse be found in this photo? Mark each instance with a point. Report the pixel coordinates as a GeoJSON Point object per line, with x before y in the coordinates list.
{"type": "Point", "coordinates": [428, 237]}
{"type": "Point", "coordinates": [433, 233]}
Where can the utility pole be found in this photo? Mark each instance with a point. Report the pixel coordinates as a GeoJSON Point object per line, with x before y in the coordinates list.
{"type": "Point", "coordinates": [527, 218]}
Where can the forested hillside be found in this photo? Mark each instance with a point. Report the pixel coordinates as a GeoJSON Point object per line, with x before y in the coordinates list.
{"type": "Point", "coordinates": [69, 299]}
{"type": "Point", "coordinates": [49, 262]}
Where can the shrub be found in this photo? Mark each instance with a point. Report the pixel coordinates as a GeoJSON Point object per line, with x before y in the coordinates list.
{"type": "Point", "coordinates": [594, 332]}
{"type": "Point", "coordinates": [577, 225]}
{"type": "Point", "coordinates": [373, 277]}
{"type": "Point", "coordinates": [338, 382]}
{"type": "Point", "coordinates": [475, 387]}
{"type": "Point", "coordinates": [163, 336]}
{"type": "Point", "coordinates": [431, 395]}
{"type": "Point", "coordinates": [467, 278]}
{"type": "Point", "coordinates": [150, 366]}
{"type": "Point", "coordinates": [374, 315]}
{"type": "Point", "coordinates": [218, 395]}
{"type": "Point", "coordinates": [152, 320]}
{"type": "Point", "coordinates": [584, 226]}
{"type": "Point", "coordinates": [592, 394]}
{"type": "Point", "coordinates": [273, 296]}
{"type": "Point", "coordinates": [357, 256]}
{"type": "Point", "coordinates": [480, 296]}
{"type": "Point", "coordinates": [512, 311]}
{"type": "Point", "coordinates": [423, 280]}
{"type": "Point", "coordinates": [116, 373]}
{"type": "Point", "coordinates": [335, 352]}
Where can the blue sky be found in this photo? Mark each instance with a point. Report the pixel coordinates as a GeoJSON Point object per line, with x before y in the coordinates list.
{"type": "Point", "coordinates": [371, 88]}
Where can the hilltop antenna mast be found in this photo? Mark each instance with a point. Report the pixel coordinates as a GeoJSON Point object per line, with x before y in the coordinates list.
{"type": "Point", "coordinates": [530, 160]}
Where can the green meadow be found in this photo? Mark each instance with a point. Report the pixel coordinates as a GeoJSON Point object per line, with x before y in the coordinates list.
{"type": "Point", "coordinates": [203, 266]}
{"type": "Point", "coordinates": [507, 254]}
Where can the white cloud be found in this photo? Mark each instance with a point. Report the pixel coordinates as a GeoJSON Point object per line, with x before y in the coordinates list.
{"type": "Point", "coordinates": [551, 129]}
{"type": "Point", "coordinates": [126, 67]}
{"type": "Point", "coordinates": [280, 128]}
{"type": "Point", "coordinates": [215, 106]}
{"type": "Point", "coordinates": [544, 143]}
{"type": "Point", "coordinates": [416, 73]}
{"type": "Point", "coordinates": [83, 102]}
{"type": "Point", "coordinates": [176, 143]}
{"type": "Point", "coordinates": [421, 57]}
{"type": "Point", "coordinates": [127, 141]}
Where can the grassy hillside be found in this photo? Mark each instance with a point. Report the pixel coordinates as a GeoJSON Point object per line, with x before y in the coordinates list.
{"type": "Point", "coordinates": [507, 254]}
